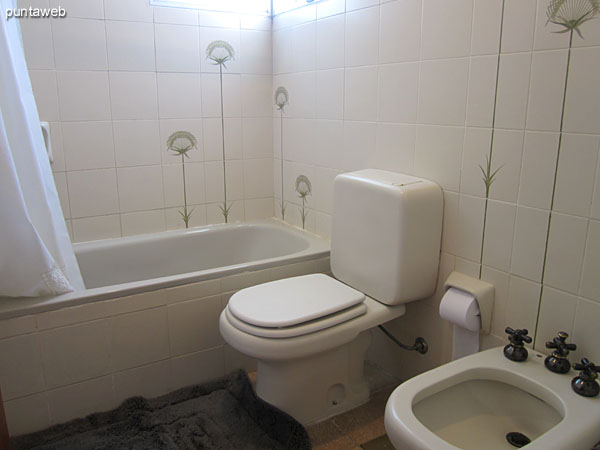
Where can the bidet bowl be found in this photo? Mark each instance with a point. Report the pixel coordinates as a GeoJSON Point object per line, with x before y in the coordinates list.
{"type": "Point", "coordinates": [477, 401]}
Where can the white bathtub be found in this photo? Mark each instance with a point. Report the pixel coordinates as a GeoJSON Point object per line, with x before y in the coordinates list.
{"type": "Point", "coordinates": [119, 267]}
{"type": "Point", "coordinates": [147, 324]}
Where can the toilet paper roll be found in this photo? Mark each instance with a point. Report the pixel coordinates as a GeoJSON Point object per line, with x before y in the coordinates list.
{"type": "Point", "coordinates": [462, 309]}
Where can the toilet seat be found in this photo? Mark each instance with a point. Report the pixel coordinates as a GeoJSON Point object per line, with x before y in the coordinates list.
{"type": "Point", "coordinates": [294, 306]}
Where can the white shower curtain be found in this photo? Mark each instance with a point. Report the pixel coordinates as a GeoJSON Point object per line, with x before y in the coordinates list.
{"type": "Point", "coordinates": [36, 256]}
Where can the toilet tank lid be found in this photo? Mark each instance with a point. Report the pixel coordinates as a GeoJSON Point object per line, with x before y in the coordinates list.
{"type": "Point", "coordinates": [293, 301]}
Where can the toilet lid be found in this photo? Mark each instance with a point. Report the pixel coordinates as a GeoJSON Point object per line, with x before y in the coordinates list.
{"type": "Point", "coordinates": [292, 301]}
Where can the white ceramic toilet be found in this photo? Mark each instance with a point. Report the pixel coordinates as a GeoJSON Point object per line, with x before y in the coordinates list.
{"type": "Point", "coordinates": [310, 334]}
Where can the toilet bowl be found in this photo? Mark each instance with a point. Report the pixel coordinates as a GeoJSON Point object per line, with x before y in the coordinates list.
{"type": "Point", "coordinates": [310, 334]}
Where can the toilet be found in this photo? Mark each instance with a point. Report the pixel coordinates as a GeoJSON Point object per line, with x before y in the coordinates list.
{"type": "Point", "coordinates": [310, 334]}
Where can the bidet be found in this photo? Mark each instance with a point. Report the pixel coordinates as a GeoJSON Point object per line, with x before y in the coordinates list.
{"type": "Point", "coordinates": [488, 401]}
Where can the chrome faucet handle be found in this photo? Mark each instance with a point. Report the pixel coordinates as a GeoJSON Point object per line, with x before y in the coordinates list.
{"type": "Point", "coordinates": [516, 351]}
{"type": "Point", "coordinates": [585, 383]}
{"type": "Point", "coordinates": [557, 362]}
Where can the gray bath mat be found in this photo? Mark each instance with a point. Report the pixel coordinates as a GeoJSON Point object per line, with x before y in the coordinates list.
{"type": "Point", "coordinates": [221, 415]}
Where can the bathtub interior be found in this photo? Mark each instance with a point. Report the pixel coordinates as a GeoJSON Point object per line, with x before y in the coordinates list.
{"type": "Point", "coordinates": [125, 260]}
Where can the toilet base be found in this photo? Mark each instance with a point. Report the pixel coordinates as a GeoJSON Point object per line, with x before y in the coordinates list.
{"type": "Point", "coordinates": [315, 388]}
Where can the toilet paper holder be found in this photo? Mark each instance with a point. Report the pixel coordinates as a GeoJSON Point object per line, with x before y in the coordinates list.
{"type": "Point", "coordinates": [482, 291]}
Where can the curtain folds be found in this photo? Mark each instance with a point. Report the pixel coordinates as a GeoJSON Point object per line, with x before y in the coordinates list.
{"type": "Point", "coordinates": [36, 256]}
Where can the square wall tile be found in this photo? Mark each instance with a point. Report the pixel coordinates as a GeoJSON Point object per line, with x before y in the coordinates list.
{"type": "Point", "coordinates": [130, 46]}
{"type": "Point", "coordinates": [258, 178]}
{"type": "Point", "coordinates": [213, 139]}
{"type": "Point", "coordinates": [148, 381]}
{"type": "Point", "coordinates": [328, 135]}
{"type": "Point", "coordinates": [546, 90]}
{"type": "Point", "coordinates": [140, 338]}
{"type": "Point", "coordinates": [37, 43]}
{"type": "Point", "coordinates": [256, 99]}
{"type": "Point", "coordinates": [21, 366]}
{"type": "Point", "coordinates": [137, 143]}
{"type": "Point", "coordinates": [500, 223]}
{"type": "Point", "coordinates": [585, 331]}
{"type": "Point", "coordinates": [133, 95]}
{"type": "Point", "coordinates": [395, 147]}
{"type": "Point", "coordinates": [330, 94]}
{"type": "Point", "coordinates": [179, 96]}
{"type": "Point", "coordinates": [87, 9]}
{"type": "Point", "coordinates": [523, 302]}
{"type": "Point", "coordinates": [257, 139]}
{"type": "Point", "coordinates": [443, 92]}
{"type": "Point", "coordinates": [477, 140]}
{"type": "Point", "coordinates": [93, 192]}
{"type": "Point", "coordinates": [133, 10]}
{"type": "Point", "coordinates": [301, 87]}
{"type": "Point", "coordinates": [362, 37]}
{"type": "Point", "coordinates": [518, 26]}
{"type": "Point", "coordinates": [360, 95]}
{"type": "Point", "coordinates": [485, 34]}
{"type": "Point", "coordinates": [88, 145]}
{"type": "Point", "coordinates": [438, 155]}
{"type": "Point", "coordinates": [538, 169]}
{"type": "Point", "coordinates": [79, 400]}
{"type": "Point", "coordinates": [470, 227]}
{"type": "Point", "coordinates": [330, 42]}
{"type": "Point", "coordinates": [303, 39]}
{"type": "Point", "coordinates": [143, 222]}
{"type": "Point", "coordinates": [398, 92]}
{"type": "Point", "coordinates": [590, 282]}
{"type": "Point", "coordinates": [44, 85]}
{"type": "Point", "coordinates": [177, 16]}
{"type": "Point", "coordinates": [583, 104]}
{"type": "Point", "coordinates": [170, 126]}
{"type": "Point", "coordinates": [83, 96]}
{"type": "Point", "coordinates": [446, 29]}
{"type": "Point", "coordinates": [140, 188]}
{"type": "Point", "coordinates": [211, 98]}
{"type": "Point", "coordinates": [196, 368]}
{"type": "Point", "coordinates": [210, 34]}
{"type": "Point", "coordinates": [76, 353]}
{"type": "Point", "coordinates": [529, 243]}
{"type": "Point", "coordinates": [513, 90]}
{"type": "Point", "coordinates": [80, 44]}
{"type": "Point", "coordinates": [501, 282]}
{"type": "Point", "coordinates": [95, 228]}
{"type": "Point", "coordinates": [400, 31]}
{"type": "Point", "coordinates": [257, 57]}
{"type": "Point", "coordinates": [27, 414]}
{"type": "Point", "coordinates": [194, 325]}
{"type": "Point", "coordinates": [481, 91]}
{"type": "Point", "coordinates": [576, 171]}
{"type": "Point", "coordinates": [507, 155]}
{"type": "Point", "coordinates": [360, 140]}
{"type": "Point", "coordinates": [566, 246]}
{"type": "Point", "coordinates": [177, 48]}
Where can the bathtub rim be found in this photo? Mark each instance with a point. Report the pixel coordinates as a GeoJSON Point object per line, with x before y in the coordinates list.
{"type": "Point", "coordinates": [15, 307]}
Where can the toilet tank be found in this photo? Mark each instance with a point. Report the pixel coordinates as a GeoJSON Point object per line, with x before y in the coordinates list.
{"type": "Point", "coordinates": [386, 234]}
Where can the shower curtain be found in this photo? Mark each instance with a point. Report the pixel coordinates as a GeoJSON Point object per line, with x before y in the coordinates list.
{"type": "Point", "coordinates": [36, 256]}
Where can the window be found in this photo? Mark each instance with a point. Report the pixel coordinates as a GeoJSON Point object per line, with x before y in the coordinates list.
{"type": "Point", "coordinates": [266, 7]}
{"type": "Point", "coordinates": [238, 6]}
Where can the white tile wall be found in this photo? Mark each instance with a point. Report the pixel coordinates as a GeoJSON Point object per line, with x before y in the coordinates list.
{"type": "Point", "coordinates": [419, 96]}
{"type": "Point", "coordinates": [115, 80]}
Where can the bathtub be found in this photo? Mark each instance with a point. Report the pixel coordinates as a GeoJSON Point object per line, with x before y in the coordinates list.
{"type": "Point", "coordinates": [123, 266]}
{"type": "Point", "coordinates": [147, 323]}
